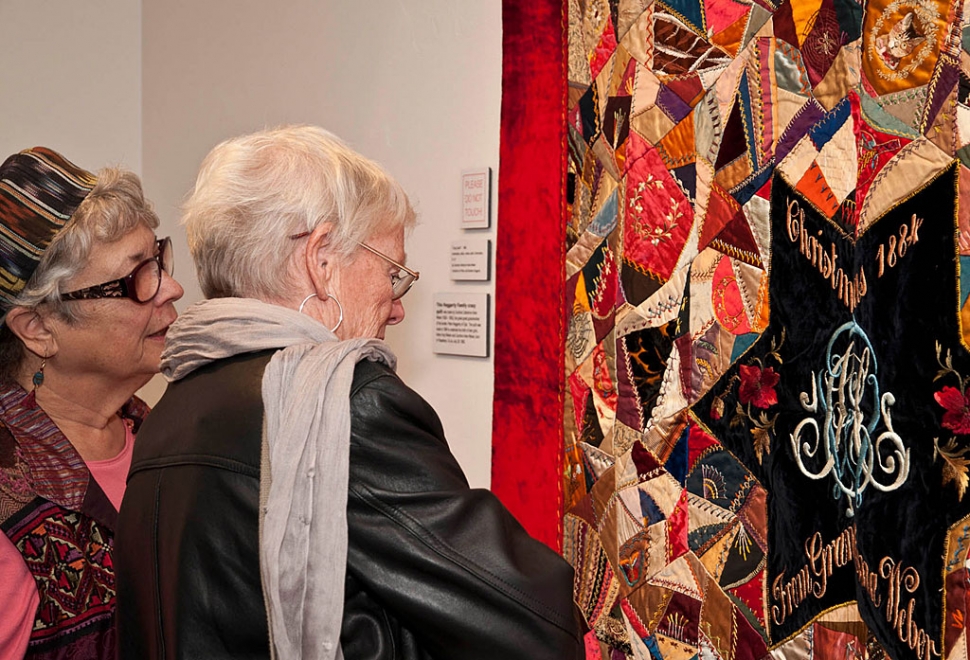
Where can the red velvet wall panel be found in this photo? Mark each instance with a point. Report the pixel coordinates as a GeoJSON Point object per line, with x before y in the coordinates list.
{"type": "Point", "coordinates": [527, 428]}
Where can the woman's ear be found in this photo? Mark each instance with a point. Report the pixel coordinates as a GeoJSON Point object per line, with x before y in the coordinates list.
{"type": "Point", "coordinates": [319, 258]}
{"type": "Point", "coordinates": [33, 330]}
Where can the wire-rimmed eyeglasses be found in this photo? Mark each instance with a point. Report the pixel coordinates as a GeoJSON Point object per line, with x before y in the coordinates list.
{"type": "Point", "coordinates": [401, 281]}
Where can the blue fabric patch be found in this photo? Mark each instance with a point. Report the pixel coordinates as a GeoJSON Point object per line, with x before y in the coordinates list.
{"type": "Point", "coordinates": [677, 461]}
{"type": "Point", "coordinates": [649, 510]}
{"type": "Point", "coordinates": [742, 343]}
{"type": "Point", "coordinates": [964, 279]}
{"type": "Point", "coordinates": [605, 220]}
{"type": "Point", "coordinates": [823, 131]}
{"type": "Point", "coordinates": [692, 11]}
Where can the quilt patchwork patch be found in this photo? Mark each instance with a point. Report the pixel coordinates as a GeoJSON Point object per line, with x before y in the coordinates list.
{"type": "Point", "coordinates": [767, 438]}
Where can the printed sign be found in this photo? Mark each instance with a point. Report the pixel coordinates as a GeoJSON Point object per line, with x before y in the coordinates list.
{"type": "Point", "coordinates": [470, 259]}
{"type": "Point", "coordinates": [475, 196]}
{"type": "Point", "coordinates": [461, 324]}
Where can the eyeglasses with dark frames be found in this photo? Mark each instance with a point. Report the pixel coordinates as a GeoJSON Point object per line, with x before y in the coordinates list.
{"type": "Point", "coordinates": [401, 281]}
{"type": "Point", "coordinates": [141, 284]}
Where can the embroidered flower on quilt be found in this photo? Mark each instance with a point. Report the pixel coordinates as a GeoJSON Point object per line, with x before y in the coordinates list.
{"type": "Point", "coordinates": [758, 386]}
{"type": "Point", "coordinates": [956, 402]}
{"type": "Point", "coordinates": [756, 390]}
{"type": "Point", "coordinates": [957, 405]}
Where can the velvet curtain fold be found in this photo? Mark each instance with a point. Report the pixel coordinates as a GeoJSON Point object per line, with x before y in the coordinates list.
{"type": "Point", "coordinates": [527, 452]}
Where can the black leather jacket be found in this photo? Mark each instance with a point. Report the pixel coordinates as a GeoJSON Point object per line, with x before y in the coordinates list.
{"type": "Point", "coordinates": [434, 569]}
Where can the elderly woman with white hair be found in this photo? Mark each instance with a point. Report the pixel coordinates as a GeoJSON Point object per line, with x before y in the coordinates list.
{"type": "Point", "coordinates": [86, 297]}
{"type": "Point", "coordinates": [290, 496]}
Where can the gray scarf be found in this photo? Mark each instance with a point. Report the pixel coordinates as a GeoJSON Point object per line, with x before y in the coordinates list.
{"type": "Point", "coordinates": [306, 454]}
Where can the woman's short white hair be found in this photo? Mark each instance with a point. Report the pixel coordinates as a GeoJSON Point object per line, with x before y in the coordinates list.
{"type": "Point", "coordinates": [255, 192]}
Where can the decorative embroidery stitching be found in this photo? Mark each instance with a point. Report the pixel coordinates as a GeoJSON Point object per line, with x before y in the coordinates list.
{"type": "Point", "coordinates": [852, 458]}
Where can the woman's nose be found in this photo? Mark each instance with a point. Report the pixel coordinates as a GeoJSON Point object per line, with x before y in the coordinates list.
{"type": "Point", "coordinates": [397, 312]}
{"type": "Point", "coordinates": [170, 290]}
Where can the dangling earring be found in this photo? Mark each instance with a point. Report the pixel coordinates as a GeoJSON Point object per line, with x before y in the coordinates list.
{"type": "Point", "coordinates": [330, 297]}
{"type": "Point", "coordinates": [339, 307]}
{"type": "Point", "coordinates": [39, 374]}
{"type": "Point", "coordinates": [305, 301]}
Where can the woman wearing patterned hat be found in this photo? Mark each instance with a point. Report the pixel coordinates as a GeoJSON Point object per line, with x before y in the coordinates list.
{"type": "Point", "coordinates": [86, 297]}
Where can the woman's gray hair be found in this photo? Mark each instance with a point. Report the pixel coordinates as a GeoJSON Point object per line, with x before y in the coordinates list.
{"type": "Point", "coordinates": [255, 192]}
{"type": "Point", "coordinates": [115, 206]}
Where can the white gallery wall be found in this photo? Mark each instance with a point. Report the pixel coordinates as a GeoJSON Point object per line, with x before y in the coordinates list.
{"type": "Point", "coordinates": [413, 84]}
{"type": "Point", "coordinates": [70, 78]}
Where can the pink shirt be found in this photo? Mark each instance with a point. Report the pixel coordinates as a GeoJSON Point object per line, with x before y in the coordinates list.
{"type": "Point", "coordinates": [18, 591]}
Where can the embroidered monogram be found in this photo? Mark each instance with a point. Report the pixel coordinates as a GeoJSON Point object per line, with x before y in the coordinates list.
{"type": "Point", "coordinates": [777, 182]}
{"type": "Point", "coordinates": [846, 412]}
{"type": "Point", "coordinates": [847, 395]}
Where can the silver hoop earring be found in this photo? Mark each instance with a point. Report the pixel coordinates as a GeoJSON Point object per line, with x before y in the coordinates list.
{"type": "Point", "coordinates": [340, 308]}
{"type": "Point", "coordinates": [305, 301]}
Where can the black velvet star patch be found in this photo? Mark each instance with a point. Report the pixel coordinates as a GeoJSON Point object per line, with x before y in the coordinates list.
{"type": "Point", "coordinates": [852, 411]}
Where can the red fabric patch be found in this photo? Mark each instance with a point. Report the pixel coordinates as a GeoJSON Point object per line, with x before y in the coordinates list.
{"type": "Point", "coordinates": [764, 192]}
{"type": "Point", "coordinates": [721, 210]}
{"type": "Point", "coordinates": [726, 297]}
{"type": "Point", "coordinates": [729, 39]}
{"type": "Point", "coordinates": [658, 215]}
{"type": "Point", "coordinates": [579, 390]}
{"type": "Point", "coordinates": [736, 240]}
{"type": "Point", "coordinates": [647, 464]}
{"type": "Point", "coordinates": [831, 644]}
{"type": "Point", "coordinates": [604, 50]}
{"type": "Point", "coordinates": [719, 16]}
{"type": "Point", "coordinates": [688, 88]}
{"type": "Point", "coordinates": [699, 444]}
{"type": "Point", "coordinates": [629, 79]}
{"type": "Point", "coordinates": [527, 427]}
{"type": "Point", "coordinates": [749, 644]}
{"type": "Point", "coordinates": [628, 408]}
{"type": "Point", "coordinates": [752, 593]}
{"type": "Point", "coordinates": [634, 619]}
{"type": "Point", "coordinates": [784, 24]}
{"type": "Point", "coordinates": [681, 619]}
{"type": "Point", "coordinates": [873, 148]}
{"type": "Point", "coordinates": [677, 527]}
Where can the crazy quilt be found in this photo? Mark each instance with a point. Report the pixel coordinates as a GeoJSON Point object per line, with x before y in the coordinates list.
{"type": "Point", "coordinates": [766, 389]}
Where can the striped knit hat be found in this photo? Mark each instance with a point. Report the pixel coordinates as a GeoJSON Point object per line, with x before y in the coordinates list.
{"type": "Point", "coordinates": [39, 192]}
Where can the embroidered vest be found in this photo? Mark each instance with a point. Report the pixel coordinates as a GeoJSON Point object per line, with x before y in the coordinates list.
{"type": "Point", "coordinates": [62, 523]}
